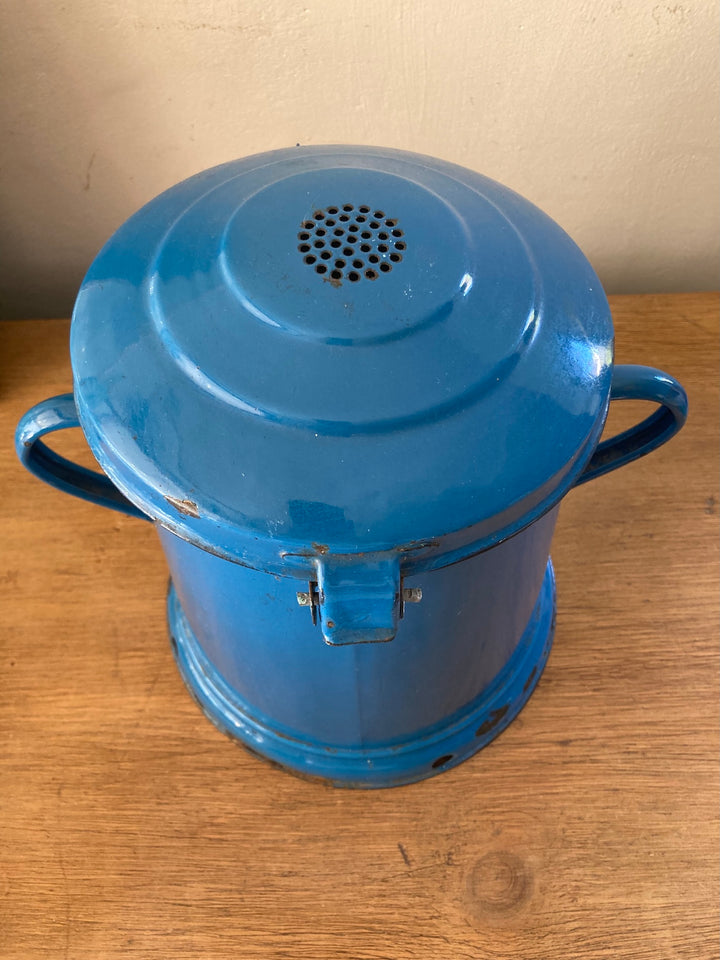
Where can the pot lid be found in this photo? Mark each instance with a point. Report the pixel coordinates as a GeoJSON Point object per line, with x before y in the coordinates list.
{"type": "Point", "coordinates": [341, 350]}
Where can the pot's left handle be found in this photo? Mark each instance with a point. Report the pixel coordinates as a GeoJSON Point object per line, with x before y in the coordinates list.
{"type": "Point", "coordinates": [58, 413]}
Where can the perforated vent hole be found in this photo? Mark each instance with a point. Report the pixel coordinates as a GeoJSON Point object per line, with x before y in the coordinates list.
{"type": "Point", "coordinates": [333, 230]}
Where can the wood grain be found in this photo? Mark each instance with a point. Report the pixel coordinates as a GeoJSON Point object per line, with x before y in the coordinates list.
{"type": "Point", "coordinates": [131, 828]}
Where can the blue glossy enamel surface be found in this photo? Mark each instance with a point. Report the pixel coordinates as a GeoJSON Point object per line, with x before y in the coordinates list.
{"type": "Point", "coordinates": [259, 408]}
{"type": "Point", "coordinates": [330, 374]}
{"type": "Point", "coordinates": [464, 661]}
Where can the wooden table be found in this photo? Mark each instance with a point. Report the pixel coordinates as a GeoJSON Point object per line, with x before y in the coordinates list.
{"type": "Point", "coordinates": [131, 828]}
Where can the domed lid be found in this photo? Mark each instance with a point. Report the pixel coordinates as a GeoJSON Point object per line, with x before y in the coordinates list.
{"type": "Point", "coordinates": [341, 350]}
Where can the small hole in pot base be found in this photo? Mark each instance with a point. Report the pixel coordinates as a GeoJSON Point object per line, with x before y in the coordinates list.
{"type": "Point", "coordinates": [442, 761]}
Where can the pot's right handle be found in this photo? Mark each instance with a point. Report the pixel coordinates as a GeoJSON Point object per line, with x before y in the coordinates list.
{"type": "Point", "coordinates": [632, 382]}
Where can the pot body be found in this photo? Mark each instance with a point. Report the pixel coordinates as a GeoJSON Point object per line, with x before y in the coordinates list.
{"type": "Point", "coordinates": [462, 664]}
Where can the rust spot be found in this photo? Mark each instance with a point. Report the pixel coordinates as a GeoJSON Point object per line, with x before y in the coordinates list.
{"type": "Point", "coordinates": [331, 624]}
{"type": "Point", "coordinates": [187, 507]}
{"type": "Point", "coordinates": [492, 721]}
{"type": "Point", "coordinates": [322, 548]}
{"type": "Point", "coordinates": [333, 282]}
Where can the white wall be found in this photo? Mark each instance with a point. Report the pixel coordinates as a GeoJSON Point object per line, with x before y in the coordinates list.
{"type": "Point", "coordinates": [603, 112]}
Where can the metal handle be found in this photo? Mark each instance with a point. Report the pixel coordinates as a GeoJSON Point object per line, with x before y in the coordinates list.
{"type": "Point", "coordinates": [58, 413]}
{"type": "Point", "coordinates": [632, 382]}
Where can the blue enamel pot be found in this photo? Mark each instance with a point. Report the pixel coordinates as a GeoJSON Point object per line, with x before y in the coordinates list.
{"type": "Point", "coordinates": [350, 387]}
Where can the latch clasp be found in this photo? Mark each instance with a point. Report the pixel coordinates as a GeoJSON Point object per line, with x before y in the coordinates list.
{"type": "Point", "coordinates": [358, 599]}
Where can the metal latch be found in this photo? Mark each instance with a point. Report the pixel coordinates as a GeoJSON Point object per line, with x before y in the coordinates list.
{"type": "Point", "coordinates": [312, 598]}
{"type": "Point", "coordinates": [410, 595]}
{"type": "Point", "coordinates": [357, 598]}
